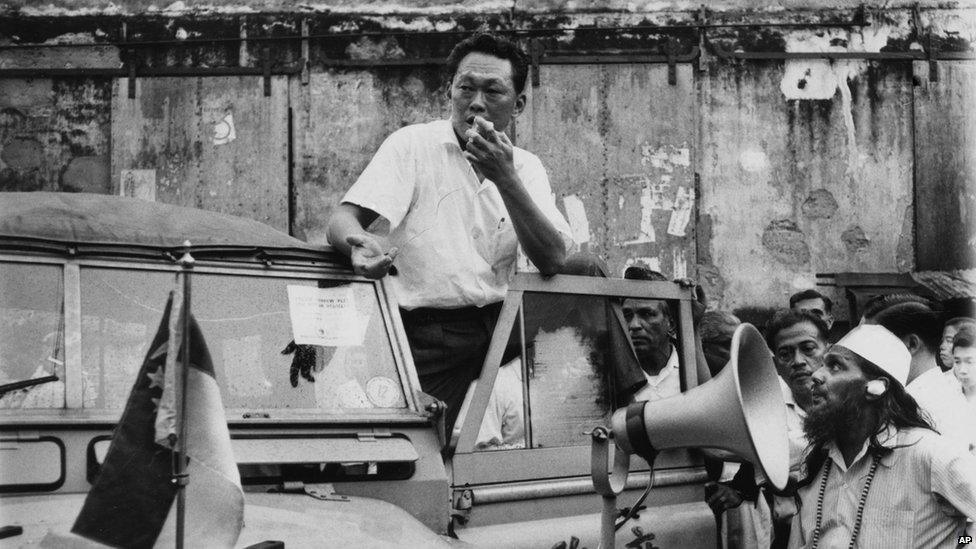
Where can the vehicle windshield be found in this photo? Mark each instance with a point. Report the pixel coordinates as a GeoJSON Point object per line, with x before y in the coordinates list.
{"type": "Point", "coordinates": [246, 321]}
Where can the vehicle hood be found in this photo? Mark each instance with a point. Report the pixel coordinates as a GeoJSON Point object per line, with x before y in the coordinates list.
{"type": "Point", "coordinates": [298, 520]}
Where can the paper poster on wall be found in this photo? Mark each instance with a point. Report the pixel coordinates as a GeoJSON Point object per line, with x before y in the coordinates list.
{"type": "Point", "coordinates": [325, 316]}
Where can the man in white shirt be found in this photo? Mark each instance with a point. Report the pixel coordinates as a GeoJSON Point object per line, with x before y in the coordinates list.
{"type": "Point", "coordinates": [919, 328]}
{"type": "Point", "coordinates": [815, 302]}
{"type": "Point", "coordinates": [651, 327]}
{"type": "Point", "coordinates": [459, 199]}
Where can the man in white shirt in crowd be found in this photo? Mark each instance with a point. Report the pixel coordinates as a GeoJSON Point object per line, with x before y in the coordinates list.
{"type": "Point", "coordinates": [919, 328]}
{"type": "Point", "coordinates": [459, 199]}
{"type": "Point", "coordinates": [815, 302]}
{"type": "Point", "coordinates": [877, 475]}
{"type": "Point", "coordinates": [651, 325]}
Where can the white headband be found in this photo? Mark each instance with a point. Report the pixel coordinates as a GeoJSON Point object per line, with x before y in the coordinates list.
{"type": "Point", "coordinates": [880, 347]}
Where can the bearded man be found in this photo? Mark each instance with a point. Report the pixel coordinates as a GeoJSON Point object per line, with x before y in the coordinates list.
{"type": "Point", "coordinates": [877, 474]}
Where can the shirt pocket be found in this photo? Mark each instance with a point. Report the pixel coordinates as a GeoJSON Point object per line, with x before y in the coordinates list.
{"type": "Point", "coordinates": [503, 245]}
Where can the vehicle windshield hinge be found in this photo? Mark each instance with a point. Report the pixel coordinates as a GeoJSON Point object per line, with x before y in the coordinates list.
{"type": "Point", "coordinates": [324, 492]}
{"type": "Point", "coordinates": [461, 505]}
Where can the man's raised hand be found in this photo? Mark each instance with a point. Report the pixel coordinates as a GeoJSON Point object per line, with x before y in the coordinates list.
{"type": "Point", "coordinates": [490, 151]}
{"type": "Point", "coordinates": [368, 258]}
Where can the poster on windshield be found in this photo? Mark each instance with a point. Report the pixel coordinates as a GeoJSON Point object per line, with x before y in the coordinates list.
{"type": "Point", "coordinates": [325, 316]}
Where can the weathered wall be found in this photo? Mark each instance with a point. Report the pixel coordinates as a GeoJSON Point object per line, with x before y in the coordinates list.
{"type": "Point", "coordinates": [793, 187]}
{"type": "Point", "coordinates": [753, 164]}
{"type": "Point", "coordinates": [55, 134]}
{"type": "Point", "coordinates": [214, 143]}
{"type": "Point", "coordinates": [617, 140]}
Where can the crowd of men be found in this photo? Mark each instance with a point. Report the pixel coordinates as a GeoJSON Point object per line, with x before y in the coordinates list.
{"type": "Point", "coordinates": [881, 423]}
{"type": "Point", "coordinates": [882, 431]}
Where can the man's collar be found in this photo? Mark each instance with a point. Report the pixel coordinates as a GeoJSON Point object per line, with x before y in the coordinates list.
{"type": "Point", "coordinates": [444, 130]}
{"type": "Point", "coordinates": [926, 378]}
{"type": "Point", "coordinates": [888, 438]}
{"type": "Point", "coordinates": [673, 364]}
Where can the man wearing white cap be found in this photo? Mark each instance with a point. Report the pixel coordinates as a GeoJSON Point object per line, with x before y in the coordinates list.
{"type": "Point", "coordinates": [877, 475]}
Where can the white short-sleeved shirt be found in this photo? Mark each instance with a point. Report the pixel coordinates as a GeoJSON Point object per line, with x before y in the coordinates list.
{"type": "Point", "coordinates": [666, 383]}
{"type": "Point", "coordinates": [457, 244]}
{"type": "Point", "coordinates": [944, 402]}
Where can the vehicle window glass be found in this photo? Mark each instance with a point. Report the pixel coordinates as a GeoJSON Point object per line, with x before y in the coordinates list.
{"type": "Point", "coordinates": [32, 334]}
{"type": "Point", "coordinates": [583, 357]}
{"type": "Point", "coordinates": [120, 312]}
{"type": "Point", "coordinates": [246, 323]}
{"type": "Point", "coordinates": [566, 360]}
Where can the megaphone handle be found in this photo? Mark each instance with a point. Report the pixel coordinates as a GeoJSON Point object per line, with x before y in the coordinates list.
{"type": "Point", "coordinates": [605, 481]}
{"type": "Point", "coordinates": [608, 484]}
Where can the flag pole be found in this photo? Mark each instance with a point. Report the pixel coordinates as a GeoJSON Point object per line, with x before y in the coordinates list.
{"type": "Point", "coordinates": [180, 476]}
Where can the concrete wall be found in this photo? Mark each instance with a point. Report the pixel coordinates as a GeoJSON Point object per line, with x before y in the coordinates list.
{"type": "Point", "coordinates": [753, 164]}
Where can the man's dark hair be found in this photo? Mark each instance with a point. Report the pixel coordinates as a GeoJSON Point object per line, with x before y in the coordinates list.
{"type": "Point", "coordinates": [811, 294]}
{"type": "Point", "coordinates": [879, 303]}
{"type": "Point", "coordinates": [640, 272]}
{"type": "Point", "coordinates": [895, 408]}
{"type": "Point", "coordinates": [960, 321]}
{"type": "Point", "coordinates": [912, 317]}
{"type": "Point", "coordinates": [787, 318]}
{"type": "Point", "coordinates": [965, 337]}
{"type": "Point", "coordinates": [496, 46]}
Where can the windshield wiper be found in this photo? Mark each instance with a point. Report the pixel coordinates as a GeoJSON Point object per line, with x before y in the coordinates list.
{"type": "Point", "coordinates": [7, 387]}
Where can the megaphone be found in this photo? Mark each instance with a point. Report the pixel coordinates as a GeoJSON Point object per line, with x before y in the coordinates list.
{"type": "Point", "coordinates": [741, 410]}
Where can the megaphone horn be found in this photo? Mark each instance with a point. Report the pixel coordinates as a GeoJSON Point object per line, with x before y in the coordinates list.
{"type": "Point", "coordinates": [740, 410]}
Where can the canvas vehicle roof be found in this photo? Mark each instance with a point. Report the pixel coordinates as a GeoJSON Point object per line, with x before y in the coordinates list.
{"type": "Point", "coordinates": [92, 223]}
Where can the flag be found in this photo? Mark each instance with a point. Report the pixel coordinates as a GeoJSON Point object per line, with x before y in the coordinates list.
{"type": "Point", "coordinates": [132, 503]}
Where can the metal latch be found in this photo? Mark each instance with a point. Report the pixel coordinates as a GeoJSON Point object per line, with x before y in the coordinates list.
{"type": "Point", "coordinates": [324, 492]}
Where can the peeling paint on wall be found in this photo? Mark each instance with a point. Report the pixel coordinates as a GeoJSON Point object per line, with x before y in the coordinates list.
{"type": "Point", "coordinates": [684, 203]}
{"type": "Point", "coordinates": [649, 199]}
{"type": "Point", "coordinates": [576, 216]}
{"type": "Point", "coordinates": [679, 263]}
{"type": "Point", "coordinates": [786, 242]}
{"type": "Point", "coordinates": [854, 239]}
{"type": "Point", "coordinates": [819, 204]}
{"type": "Point", "coordinates": [138, 184]}
{"type": "Point", "coordinates": [665, 158]}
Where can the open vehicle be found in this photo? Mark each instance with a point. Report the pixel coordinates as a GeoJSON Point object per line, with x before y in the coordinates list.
{"type": "Point", "coordinates": [355, 459]}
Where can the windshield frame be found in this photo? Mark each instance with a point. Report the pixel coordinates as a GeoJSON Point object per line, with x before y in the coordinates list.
{"type": "Point", "coordinates": [73, 411]}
